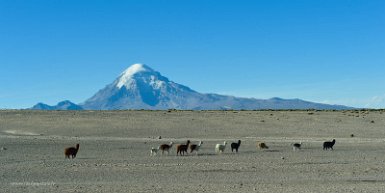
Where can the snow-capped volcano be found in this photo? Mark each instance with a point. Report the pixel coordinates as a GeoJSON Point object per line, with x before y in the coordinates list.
{"type": "Point", "coordinates": [140, 87]}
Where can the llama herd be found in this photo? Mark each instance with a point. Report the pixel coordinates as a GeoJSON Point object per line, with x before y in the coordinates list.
{"type": "Point", "coordinates": [182, 149]}
{"type": "Point", "coordinates": [220, 148]}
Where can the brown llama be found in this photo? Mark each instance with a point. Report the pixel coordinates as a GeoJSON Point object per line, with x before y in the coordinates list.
{"type": "Point", "coordinates": [165, 147]}
{"type": "Point", "coordinates": [262, 145]}
{"type": "Point", "coordinates": [71, 151]}
{"type": "Point", "coordinates": [182, 148]}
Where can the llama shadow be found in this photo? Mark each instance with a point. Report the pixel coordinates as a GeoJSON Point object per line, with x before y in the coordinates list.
{"type": "Point", "coordinates": [210, 154]}
{"type": "Point", "coordinates": [270, 150]}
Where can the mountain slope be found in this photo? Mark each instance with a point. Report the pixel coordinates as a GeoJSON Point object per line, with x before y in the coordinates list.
{"type": "Point", "coordinates": [140, 87]}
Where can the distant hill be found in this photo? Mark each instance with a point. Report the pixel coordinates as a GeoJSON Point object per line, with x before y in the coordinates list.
{"type": "Point", "coordinates": [140, 87]}
{"type": "Point", "coordinates": [64, 105]}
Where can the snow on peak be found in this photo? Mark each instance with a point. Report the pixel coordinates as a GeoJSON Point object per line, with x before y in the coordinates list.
{"type": "Point", "coordinates": [126, 77]}
{"type": "Point", "coordinates": [133, 69]}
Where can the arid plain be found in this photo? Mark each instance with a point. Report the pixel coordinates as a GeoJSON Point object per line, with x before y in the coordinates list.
{"type": "Point", "coordinates": [114, 154]}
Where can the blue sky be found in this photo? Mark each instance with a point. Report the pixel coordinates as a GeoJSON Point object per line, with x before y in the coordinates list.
{"type": "Point", "coordinates": [320, 50]}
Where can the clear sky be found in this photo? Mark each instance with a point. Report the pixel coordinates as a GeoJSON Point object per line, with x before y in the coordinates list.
{"type": "Point", "coordinates": [330, 51]}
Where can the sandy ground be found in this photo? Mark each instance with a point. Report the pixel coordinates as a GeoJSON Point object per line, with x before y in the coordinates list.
{"type": "Point", "coordinates": [114, 153]}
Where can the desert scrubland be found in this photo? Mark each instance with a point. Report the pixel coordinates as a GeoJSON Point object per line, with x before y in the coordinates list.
{"type": "Point", "coordinates": [114, 154]}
